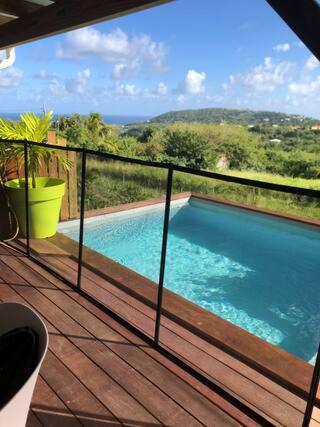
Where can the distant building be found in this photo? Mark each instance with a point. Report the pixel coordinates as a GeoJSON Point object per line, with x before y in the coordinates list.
{"type": "Point", "coordinates": [275, 140]}
{"type": "Point", "coordinates": [315, 127]}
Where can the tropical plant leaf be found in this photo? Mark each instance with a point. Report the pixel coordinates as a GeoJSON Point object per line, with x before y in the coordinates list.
{"type": "Point", "coordinates": [35, 129]}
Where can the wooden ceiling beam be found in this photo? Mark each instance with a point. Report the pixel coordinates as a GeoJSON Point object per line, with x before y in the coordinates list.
{"type": "Point", "coordinates": [65, 15]}
{"type": "Point", "coordinates": [5, 19]}
{"type": "Point", "coordinates": [18, 7]}
{"type": "Point", "coordinates": [303, 17]}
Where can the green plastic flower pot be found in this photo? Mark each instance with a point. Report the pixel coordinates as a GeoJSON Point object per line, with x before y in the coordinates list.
{"type": "Point", "coordinates": [44, 205]}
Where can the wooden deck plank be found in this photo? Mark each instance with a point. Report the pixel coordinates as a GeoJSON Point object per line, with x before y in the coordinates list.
{"type": "Point", "coordinates": [114, 364]}
{"type": "Point", "coordinates": [16, 280]}
{"type": "Point", "coordinates": [243, 389]}
{"type": "Point", "coordinates": [62, 345]}
{"type": "Point", "coordinates": [203, 345]}
{"type": "Point", "coordinates": [79, 400]}
{"type": "Point", "coordinates": [90, 411]}
{"type": "Point", "coordinates": [290, 398]}
{"type": "Point", "coordinates": [33, 421]}
{"type": "Point", "coordinates": [49, 408]}
{"type": "Point", "coordinates": [84, 339]}
{"type": "Point", "coordinates": [266, 384]}
{"type": "Point", "coordinates": [136, 384]}
{"type": "Point", "coordinates": [115, 398]}
{"type": "Point", "coordinates": [206, 347]}
{"type": "Point", "coordinates": [166, 379]}
{"type": "Point", "coordinates": [286, 368]}
{"type": "Point", "coordinates": [240, 387]}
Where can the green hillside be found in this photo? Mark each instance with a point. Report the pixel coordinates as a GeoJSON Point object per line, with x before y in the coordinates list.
{"type": "Point", "coordinates": [240, 117]}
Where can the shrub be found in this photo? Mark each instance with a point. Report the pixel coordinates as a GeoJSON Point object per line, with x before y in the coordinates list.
{"type": "Point", "coordinates": [187, 145]}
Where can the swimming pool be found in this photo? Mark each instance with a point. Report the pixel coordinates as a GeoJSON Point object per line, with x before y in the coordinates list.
{"type": "Point", "coordinates": [257, 271]}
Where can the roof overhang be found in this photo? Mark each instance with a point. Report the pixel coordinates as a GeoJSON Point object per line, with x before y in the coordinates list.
{"type": "Point", "coordinates": [23, 21]}
{"type": "Point", "coordinates": [303, 17]}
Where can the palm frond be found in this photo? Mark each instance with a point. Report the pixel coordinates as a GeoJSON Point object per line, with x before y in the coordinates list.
{"type": "Point", "coordinates": [35, 129]}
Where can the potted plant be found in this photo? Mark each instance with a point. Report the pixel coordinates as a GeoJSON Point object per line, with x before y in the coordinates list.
{"type": "Point", "coordinates": [44, 193]}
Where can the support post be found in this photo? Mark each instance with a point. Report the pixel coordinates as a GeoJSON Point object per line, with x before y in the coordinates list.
{"type": "Point", "coordinates": [163, 254]}
{"type": "Point", "coordinates": [313, 391]}
{"type": "Point", "coordinates": [82, 205]}
{"type": "Point", "coordinates": [26, 186]}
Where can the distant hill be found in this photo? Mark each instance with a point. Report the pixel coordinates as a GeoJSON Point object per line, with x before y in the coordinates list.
{"type": "Point", "coordinates": [240, 117]}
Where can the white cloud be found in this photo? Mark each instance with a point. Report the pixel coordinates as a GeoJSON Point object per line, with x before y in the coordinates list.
{"type": "Point", "coordinates": [86, 73]}
{"type": "Point", "coordinates": [10, 77]}
{"type": "Point", "coordinates": [89, 41]}
{"type": "Point", "coordinates": [181, 99]}
{"type": "Point", "coordinates": [128, 90]}
{"type": "Point", "coordinates": [161, 89]}
{"type": "Point", "coordinates": [44, 75]}
{"type": "Point", "coordinates": [77, 84]}
{"type": "Point", "coordinates": [122, 71]}
{"type": "Point", "coordinates": [193, 83]}
{"type": "Point", "coordinates": [126, 55]}
{"type": "Point", "coordinates": [294, 86]}
{"type": "Point", "coordinates": [312, 63]}
{"type": "Point", "coordinates": [232, 79]}
{"type": "Point", "coordinates": [284, 47]}
{"type": "Point", "coordinates": [74, 85]}
{"type": "Point", "coordinates": [57, 88]}
{"type": "Point", "coordinates": [305, 88]}
{"type": "Point", "coordinates": [267, 76]}
{"type": "Point", "coordinates": [214, 98]}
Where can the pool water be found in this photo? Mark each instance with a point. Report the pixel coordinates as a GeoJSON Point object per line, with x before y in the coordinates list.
{"type": "Point", "coordinates": [257, 271]}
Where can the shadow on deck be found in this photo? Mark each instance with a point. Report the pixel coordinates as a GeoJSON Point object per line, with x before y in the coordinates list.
{"type": "Point", "coordinates": [97, 372]}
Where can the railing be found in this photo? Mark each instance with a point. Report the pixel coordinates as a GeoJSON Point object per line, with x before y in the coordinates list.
{"type": "Point", "coordinates": [170, 170]}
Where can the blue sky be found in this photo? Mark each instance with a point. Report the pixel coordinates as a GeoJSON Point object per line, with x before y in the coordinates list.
{"type": "Point", "coordinates": [185, 54]}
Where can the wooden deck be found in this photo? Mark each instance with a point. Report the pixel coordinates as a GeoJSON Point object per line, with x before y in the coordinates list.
{"type": "Point", "coordinates": [97, 372]}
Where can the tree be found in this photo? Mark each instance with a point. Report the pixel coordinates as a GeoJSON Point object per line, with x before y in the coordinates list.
{"type": "Point", "coordinates": [90, 132]}
{"type": "Point", "coordinates": [100, 135]}
{"type": "Point", "coordinates": [128, 146]}
{"type": "Point", "coordinates": [190, 147]}
{"type": "Point", "coordinates": [76, 135]}
{"type": "Point", "coordinates": [148, 133]}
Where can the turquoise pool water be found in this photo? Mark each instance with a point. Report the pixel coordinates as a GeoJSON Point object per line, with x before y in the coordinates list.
{"type": "Point", "coordinates": [259, 272]}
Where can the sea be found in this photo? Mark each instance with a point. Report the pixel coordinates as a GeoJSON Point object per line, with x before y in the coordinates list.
{"type": "Point", "coordinates": [113, 120]}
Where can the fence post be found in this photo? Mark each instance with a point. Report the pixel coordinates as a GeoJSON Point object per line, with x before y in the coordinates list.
{"type": "Point", "coordinates": [163, 253]}
{"type": "Point", "coordinates": [26, 187]}
{"type": "Point", "coordinates": [313, 392]}
{"type": "Point", "coordinates": [82, 205]}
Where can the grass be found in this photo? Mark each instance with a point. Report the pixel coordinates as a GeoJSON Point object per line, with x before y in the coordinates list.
{"type": "Point", "coordinates": [110, 183]}
{"type": "Point", "coordinates": [276, 179]}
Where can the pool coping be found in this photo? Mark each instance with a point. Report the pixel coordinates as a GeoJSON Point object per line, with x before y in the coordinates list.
{"type": "Point", "coordinates": [269, 212]}
{"type": "Point", "coordinates": [190, 194]}
{"type": "Point", "coordinates": [283, 367]}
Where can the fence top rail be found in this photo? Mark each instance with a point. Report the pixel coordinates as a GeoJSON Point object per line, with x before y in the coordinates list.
{"type": "Point", "coordinates": [300, 191]}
